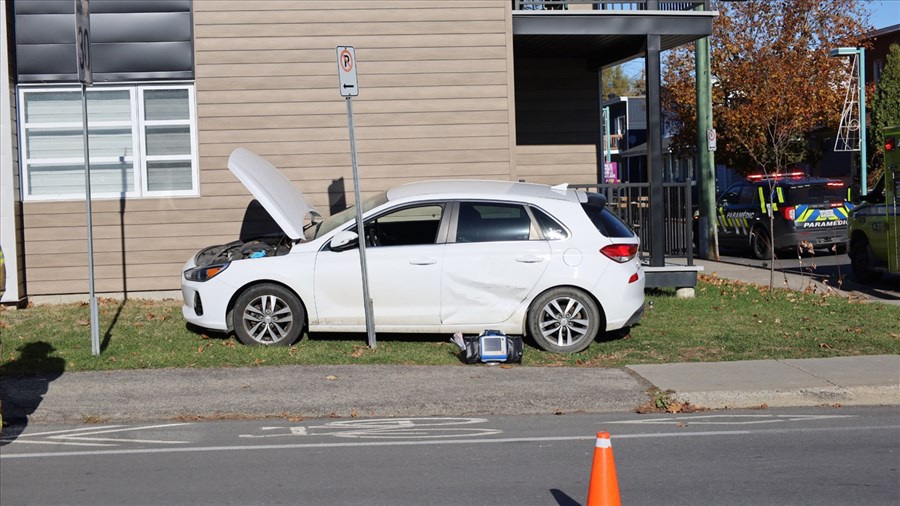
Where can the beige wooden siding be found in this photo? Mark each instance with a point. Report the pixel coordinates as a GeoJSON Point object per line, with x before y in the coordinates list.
{"type": "Point", "coordinates": [434, 103]}
{"type": "Point", "coordinates": [555, 164]}
{"type": "Point", "coordinates": [17, 212]}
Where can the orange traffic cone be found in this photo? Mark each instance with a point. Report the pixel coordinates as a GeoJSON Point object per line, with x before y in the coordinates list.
{"type": "Point", "coordinates": [604, 486]}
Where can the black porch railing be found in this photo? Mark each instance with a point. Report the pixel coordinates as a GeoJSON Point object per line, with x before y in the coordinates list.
{"type": "Point", "coordinates": [614, 5]}
{"type": "Point", "coordinates": [631, 203]}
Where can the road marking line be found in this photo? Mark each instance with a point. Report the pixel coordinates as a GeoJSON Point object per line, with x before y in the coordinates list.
{"type": "Point", "coordinates": [300, 446]}
{"type": "Point", "coordinates": [731, 419]}
{"type": "Point", "coordinates": [72, 435]}
{"type": "Point", "coordinates": [29, 442]}
{"type": "Point", "coordinates": [68, 430]}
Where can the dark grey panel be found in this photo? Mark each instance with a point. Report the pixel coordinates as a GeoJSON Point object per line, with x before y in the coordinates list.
{"type": "Point", "coordinates": [46, 29]}
{"type": "Point", "coordinates": [32, 61]}
{"type": "Point", "coordinates": [141, 58]}
{"type": "Point", "coordinates": [143, 27]}
{"type": "Point", "coordinates": [698, 24]}
{"type": "Point", "coordinates": [131, 40]}
{"type": "Point", "coordinates": [44, 7]}
{"type": "Point", "coordinates": [98, 6]}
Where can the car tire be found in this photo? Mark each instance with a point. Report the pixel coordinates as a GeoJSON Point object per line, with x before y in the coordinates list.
{"type": "Point", "coordinates": [269, 315]}
{"type": "Point", "coordinates": [564, 320]}
{"type": "Point", "coordinates": [759, 244]}
{"type": "Point", "coordinates": [861, 261]}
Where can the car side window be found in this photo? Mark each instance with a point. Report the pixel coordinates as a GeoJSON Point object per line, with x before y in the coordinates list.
{"type": "Point", "coordinates": [551, 228]}
{"type": "Point", "coordinates": [749, 195]}
{"type": "Point", "coordinates": [489, 221]}
{"type": "Point", "coordinates": [405, 227]}
{"type": "Point", "coordinates": [731, 195]}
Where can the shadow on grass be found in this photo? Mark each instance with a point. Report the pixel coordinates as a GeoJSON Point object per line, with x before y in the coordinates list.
{"type": "Point", "coordinates": [108, 334]}
{"type": "Point", "coordinates": [21, 395]}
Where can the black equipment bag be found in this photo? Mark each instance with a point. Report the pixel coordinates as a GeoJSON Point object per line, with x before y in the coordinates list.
{"type": "Point", "coordinates": [472, 353]}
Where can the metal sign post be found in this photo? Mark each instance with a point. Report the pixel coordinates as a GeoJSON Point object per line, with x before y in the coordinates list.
{"type": "Point", "coordinates": [349, 88]}
{"type": "Point", "coordinates": [83, 64]}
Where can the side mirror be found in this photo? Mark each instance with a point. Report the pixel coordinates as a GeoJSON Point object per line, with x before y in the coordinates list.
{"type": "Point", "coordinates": [342, 241]}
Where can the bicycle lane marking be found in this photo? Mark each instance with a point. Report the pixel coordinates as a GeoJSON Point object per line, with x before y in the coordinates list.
{"type": "Point", "coordinates": [384, 428]}
{"type": "Point", "coordinates": [82, 436]}
{"type": "Point", "coordinates": [464, 441]}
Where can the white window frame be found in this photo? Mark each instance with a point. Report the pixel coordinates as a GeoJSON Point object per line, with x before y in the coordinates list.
{"type": "Point", "coordinates": [193, 157]}
{"type": "Point", "coordinates": [138, 158]}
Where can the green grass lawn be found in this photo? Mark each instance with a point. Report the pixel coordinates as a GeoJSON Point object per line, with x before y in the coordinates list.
{"type": "Point", "coordinates": [726, 321]}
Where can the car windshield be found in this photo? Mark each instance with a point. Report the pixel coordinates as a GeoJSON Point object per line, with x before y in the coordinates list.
{"type": "Point", "coordinates": [318, 229]}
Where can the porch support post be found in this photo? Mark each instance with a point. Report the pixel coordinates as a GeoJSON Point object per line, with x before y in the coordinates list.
{"type": "Point", "coordinates": [654, 153]}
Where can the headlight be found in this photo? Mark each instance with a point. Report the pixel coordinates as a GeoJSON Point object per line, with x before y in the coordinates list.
{"type": "Point", "coordinates": [205, 273]}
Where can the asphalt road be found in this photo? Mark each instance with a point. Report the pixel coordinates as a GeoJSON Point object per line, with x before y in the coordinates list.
{"type": "Point", "coordinates": [815, 456]}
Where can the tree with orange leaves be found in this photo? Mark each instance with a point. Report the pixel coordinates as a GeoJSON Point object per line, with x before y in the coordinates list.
{"type": "Point", "coordinates": [774, 81]}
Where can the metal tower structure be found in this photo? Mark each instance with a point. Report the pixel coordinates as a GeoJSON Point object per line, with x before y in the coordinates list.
{"type": "Point", "coordinates": [848, 138]}
{"type": "Point", "coordinates": [852, 132]}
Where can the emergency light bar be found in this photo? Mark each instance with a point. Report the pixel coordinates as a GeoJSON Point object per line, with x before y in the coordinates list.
{"type": "Point", "coordinates": [784, 175]}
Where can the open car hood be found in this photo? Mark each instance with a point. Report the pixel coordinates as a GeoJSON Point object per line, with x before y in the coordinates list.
{"type": "Point", "coordinates": [287, 206]}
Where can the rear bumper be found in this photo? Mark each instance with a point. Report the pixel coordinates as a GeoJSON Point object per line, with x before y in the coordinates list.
{"type": "Point", "coordinates": [819, 237]}
{"type": "Point", "coordinates": [636, 317]}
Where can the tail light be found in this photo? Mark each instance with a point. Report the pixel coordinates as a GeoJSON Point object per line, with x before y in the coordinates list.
{"type": "Point", "coordinates": [788, 213]}
{"type": "Point", "coordinates": [620, 252]}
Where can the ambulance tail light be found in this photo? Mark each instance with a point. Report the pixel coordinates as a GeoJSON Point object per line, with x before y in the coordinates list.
{"type": "Point", "coordinates": [788, 213]}
{"type": "Point", "coordinates": [890, 143]}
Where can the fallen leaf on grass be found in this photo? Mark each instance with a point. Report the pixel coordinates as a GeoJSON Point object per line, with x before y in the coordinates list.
{"type": "Point", "coordinates": [825, 346]}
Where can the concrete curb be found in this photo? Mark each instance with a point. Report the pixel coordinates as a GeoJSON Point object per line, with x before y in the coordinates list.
{"type": "Point", "coordinates": [835, 396]}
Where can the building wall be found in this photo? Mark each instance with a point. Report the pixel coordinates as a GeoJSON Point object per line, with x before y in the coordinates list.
{"type": "Point", "coordinates": [557, 101]}
{"type": "Point", "coordinates": [558, 163]}
{"type": "Point", "coordinates": [557, 120]}
{"type": "Point", "coordinates": [435, 101]}
{"type": "Point", "coordinates": [880, 48]}
{"type": "Point", "coordinates": [10, 211]}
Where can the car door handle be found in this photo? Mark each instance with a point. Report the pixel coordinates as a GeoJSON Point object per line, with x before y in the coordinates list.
{"type": "Point", "coordinates": [423, 261]}
{"type": "Point", "coordinates": [530, 259]}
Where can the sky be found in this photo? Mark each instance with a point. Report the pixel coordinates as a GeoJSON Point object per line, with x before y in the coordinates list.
{"type": "Point", "coordinates": [884, 12]}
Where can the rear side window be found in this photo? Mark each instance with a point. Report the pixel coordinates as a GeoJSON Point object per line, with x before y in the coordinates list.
{"type": "Point", "coordinates": [487, 221]}
{"type": "Point", "coordinates": [551, 228]}
{"type": "Point", "coordinates": [606, 222]}
{"type": "Point", "coordinates": [815, 193]}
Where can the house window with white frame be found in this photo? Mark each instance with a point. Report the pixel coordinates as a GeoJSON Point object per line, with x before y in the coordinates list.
{"type": "Point", "coordinates": [143, 141]}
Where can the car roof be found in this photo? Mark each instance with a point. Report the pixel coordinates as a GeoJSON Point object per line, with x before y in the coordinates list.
{"type": "Point", "coordinates": [477, 188]}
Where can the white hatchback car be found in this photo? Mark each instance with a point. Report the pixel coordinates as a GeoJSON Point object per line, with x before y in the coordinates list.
{"type": "Point", "coordinates": [442, 257]}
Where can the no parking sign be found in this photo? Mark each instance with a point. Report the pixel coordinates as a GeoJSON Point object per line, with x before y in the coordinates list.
{"type": "Point", "coordinates": [346, 60]}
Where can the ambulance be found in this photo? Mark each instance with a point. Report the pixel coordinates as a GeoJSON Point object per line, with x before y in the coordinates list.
{"type": "Point", "coordinates": [874, 226]}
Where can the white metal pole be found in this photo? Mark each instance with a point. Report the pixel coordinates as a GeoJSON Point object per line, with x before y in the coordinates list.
{"type": "Point", "coordinates": [360, 231]}
{"type": "Point", "coordinates": [95, 323]}
{"type": "Point", "coordinates": [863, 156]}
